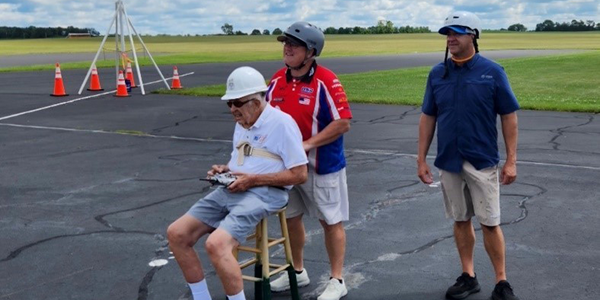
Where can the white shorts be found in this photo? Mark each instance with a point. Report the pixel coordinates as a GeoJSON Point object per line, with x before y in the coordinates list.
{"type": "Point", "coordinates": [322, 196]}
{"type": "Point", "coordinates": [471, 193]}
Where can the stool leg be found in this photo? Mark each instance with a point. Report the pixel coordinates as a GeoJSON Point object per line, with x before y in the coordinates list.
{"type": "Point", "coordinates": [258, 267]}
{"type": "Point", "coordinates": [266, 281]}
{"type": "Point", "coordinates": [288, 257]}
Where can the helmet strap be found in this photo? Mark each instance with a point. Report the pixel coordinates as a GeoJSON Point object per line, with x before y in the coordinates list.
{"type": "Point", "coordinates": [445, 64]}
{"type": "Point", "coordinates": [302, 65]}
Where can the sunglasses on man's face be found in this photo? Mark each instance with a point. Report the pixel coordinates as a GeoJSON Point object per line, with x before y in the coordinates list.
{"type": "Point", "coordinates": [291, 43]}
{"type": "Point", "coordinates": [238, 103]}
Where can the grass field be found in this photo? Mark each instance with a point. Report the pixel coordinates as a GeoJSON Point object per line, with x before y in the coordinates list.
{"type": "Point", "coordinates": [561, 83]}
{"type": "Point", "coordinates": [565, 82]}
{"type": "Point", "coordinates": [191, 50]}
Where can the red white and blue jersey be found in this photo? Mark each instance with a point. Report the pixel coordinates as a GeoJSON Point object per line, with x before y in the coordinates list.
{"type": "Point", "coordinates": [314, 101]}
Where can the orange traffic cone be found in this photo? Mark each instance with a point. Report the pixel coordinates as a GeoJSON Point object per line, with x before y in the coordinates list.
{"type": "Point", "coordinates": [95, 82]}
{"type": "Point", "coordinates": [121, 87]}
{"type": "Point", "coordinates": [129, 75]}
{"type": "Point", "coordinates": [176, 84]}
{"type": "Point", "coordinates": [59, 87]}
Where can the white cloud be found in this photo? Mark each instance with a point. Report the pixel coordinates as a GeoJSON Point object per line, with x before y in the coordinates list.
{"type": "Point", "coordinates": [207, 16]}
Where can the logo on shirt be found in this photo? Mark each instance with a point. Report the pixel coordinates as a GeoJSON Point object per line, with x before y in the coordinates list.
{"type": "Point", "coordinates": [343, 100]}
{"type": "Point", "coordinates": [277, 100]}
{"type": "Point", "coordinates": [487, 77]}
{"type": "Point", "coordinates": [304, 100]}
{"type": "Point", "coordinates": [260, 138]}
{"type": "Point", "coordinates": [307, 90]}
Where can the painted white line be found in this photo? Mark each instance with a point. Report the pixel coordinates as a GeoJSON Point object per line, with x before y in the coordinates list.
{"type": "Point", "coordinates": [361, 151]}
{"type": "Point", "coordinates": [520, 162]}
{"type": "Point", "coordinates": [115, 132]}
{"type": "Point", "coordinates": [79, 99]}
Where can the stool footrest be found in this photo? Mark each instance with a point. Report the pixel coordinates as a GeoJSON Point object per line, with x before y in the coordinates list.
{"type": "Point", "coordinates": [251, 278]}
{"type": "Point", "coordinates": [248, 263]}
{"type": "Point", "coordinates": [278, 270]}
{"type": "Point", "coordinates": [249, 249]}
{"type": "Point", "coordinates": [273, 242]}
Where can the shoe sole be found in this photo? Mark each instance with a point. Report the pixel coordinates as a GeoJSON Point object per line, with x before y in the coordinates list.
{"type": "Point", "coordinates": [288, 288]}
{"type": "Point", "coordinates": [342, 296]}
{"type": "Point", "coordinates": [463, 295]}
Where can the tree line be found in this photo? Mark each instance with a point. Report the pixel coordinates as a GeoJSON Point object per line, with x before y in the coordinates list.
{"type": "Point", "coordinates": [33, 32]}
{"type": "Point", "coordinates": [382, 27]}
{"type": "Point", "coordinates": [549, 25]}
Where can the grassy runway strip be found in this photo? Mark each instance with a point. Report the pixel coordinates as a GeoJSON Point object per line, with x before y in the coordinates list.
{"type": "Point", "coordinates": [560, 83]}
{"type": "Point", "coordinates": [207, 49]}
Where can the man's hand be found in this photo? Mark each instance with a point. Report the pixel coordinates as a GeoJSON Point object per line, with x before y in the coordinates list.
{"type": "Point", "coordinates": [242, 183]}
{"type": "Point", "coordinates": [217, 169]}
{"type": "Point", "coordinates": [509, 173]}
{"type": "Point", "coordinates": [424, 173]}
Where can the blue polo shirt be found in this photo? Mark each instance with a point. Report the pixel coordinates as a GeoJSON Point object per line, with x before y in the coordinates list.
{"type": "Point", "coordinates": [465, 105]}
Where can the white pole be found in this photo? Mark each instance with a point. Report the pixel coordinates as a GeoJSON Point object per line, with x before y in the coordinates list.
{"type": "Point", "coordinates": [123, 20]}
{"type": "Point", "coordinates": [137, 65]}
{"type": "Point", "coordinates": [149, 55]}
{"type": "Point", "coordinates": [117, 54]}
{"type": "Point", "coordinates": [97, 54]}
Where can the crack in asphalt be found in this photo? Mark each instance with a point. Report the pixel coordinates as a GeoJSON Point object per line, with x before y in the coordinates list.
{"type": "Point", "coordinates": [561, 130]}
{"type": "Point", "coordinates": [160, 129]}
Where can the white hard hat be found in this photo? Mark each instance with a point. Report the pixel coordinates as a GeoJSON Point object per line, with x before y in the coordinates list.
{"type": "Point", "coordinates": [462, 22]}
{"type": "Point", "coordinates": [244, 81]}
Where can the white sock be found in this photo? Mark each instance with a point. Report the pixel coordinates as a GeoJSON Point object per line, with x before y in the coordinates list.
{"type": "Point", "coordinates": [200, 290]}
{"type": "Point", "coordinates": [239, 296]}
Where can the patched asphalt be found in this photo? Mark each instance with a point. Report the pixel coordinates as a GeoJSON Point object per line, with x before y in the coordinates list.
{"type": "Point", "coordinates": [88, 188]}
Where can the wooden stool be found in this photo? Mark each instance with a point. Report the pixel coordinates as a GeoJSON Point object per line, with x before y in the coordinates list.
{"type": "Point", "coordinates": [262, 266]}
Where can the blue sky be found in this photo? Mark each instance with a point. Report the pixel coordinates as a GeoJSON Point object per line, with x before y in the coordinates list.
{"type": "Point", "coordinates": [207, 16]}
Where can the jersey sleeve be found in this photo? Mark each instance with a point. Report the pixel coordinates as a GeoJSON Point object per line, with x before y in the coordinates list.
{"type": "Point", "coordinates": [336, 96]}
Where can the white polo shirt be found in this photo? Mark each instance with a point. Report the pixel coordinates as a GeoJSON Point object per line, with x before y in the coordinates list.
{"type": "Point", "coordinates": [276, 132]}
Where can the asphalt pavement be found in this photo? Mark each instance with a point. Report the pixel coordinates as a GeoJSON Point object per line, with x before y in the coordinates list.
{"type": "Point", "coordinates": [88, 188]}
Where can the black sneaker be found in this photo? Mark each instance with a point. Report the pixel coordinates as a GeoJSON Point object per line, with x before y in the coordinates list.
{"type": "Point", "coordinates": [465, 285]}
{"type": "Point", "coordinates": [503, 291]}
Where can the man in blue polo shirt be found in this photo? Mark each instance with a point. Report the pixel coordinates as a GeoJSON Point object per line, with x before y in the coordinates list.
{"type": "Point", "coordinates": [464, 94]}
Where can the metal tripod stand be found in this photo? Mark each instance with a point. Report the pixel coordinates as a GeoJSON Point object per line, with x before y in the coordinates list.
{"type": "Point", "coordinates": [121, 20]}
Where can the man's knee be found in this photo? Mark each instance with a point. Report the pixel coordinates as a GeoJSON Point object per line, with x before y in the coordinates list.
{"type": "Point", "coordinates": [487, 228]}
{"type": "Point", "coordinates": [337, 228]}
{"type": "Point", "coordinates": [219, 244]}
{"type": "Point", "coordinates": [177, 235]}
{"type": "Point", "coordinates": [463, 224]}
{"type": "Point", "coordinates": [294, 222]}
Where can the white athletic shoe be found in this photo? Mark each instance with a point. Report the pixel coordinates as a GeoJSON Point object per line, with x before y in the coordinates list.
{"type": "Point", "coordinates": [334, 291]}
{"type": "Point", "coordinates": [283, 282]}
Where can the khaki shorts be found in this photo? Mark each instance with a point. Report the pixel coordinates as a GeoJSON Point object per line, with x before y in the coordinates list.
{"type": "Point", "coordinates": [471, 193]}
{"type": "Point", "coordinates": [322, 196]}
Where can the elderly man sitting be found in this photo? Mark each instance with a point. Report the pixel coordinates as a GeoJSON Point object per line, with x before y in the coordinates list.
{"type": "Point", "coordinates": [267, 159]}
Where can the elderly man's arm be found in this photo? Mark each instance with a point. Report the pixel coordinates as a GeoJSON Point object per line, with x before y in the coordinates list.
{"type": "Point", "coordinates": [295, 175]}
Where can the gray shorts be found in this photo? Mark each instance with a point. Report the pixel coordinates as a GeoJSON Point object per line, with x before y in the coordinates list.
{"type": "Point", "coordinates": [322, 196]}
{"type": "Point", "coordinates": [471, 193]}
{"type": "Point", "coordinates": [238, 213]}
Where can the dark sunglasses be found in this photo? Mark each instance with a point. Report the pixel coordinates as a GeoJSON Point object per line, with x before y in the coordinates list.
{"type": "Point", "coordinates": [238, 103]}
{"type": "Point", "coordinates": [291, 43]}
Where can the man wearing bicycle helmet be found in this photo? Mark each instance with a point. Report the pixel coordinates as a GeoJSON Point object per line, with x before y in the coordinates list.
{"type": "Point", "coordinates": [464, 94]}
{"type": "Point", "coordinates": [315, 98]}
